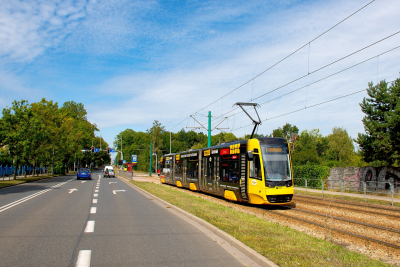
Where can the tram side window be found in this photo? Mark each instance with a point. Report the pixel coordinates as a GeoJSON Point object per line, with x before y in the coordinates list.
{"type": "Point", "coordinates": [230, 171]}
{"type": "Point", "coordinates": [210, 170]}
{"type": "Point", "coordinates": [178, 168]}
{"type": "Point", "coordinates": [255, 167]}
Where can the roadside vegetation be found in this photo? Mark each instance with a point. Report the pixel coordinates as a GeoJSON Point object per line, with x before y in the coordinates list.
{"type": "Point", "coordinates": [43, 134]}
{"type": "Point", "coordinates": [280, 244]}
{"type": "Point", "coordinates": [6, 183]}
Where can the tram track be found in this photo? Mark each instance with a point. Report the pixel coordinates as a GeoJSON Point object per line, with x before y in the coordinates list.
{"type": "Point", "coordinates": [391, 237]}
{"type": "Point", "coordinates": [376, 209]}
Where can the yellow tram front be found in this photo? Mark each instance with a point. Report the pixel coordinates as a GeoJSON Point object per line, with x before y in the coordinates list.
{"type": "Point", "coordinates": [270, 175]}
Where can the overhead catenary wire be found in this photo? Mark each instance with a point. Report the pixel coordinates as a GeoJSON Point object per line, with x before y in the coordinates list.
{"type": "Point", "coordinates": [280, 87]}
{"type": "Point", "coordinates": [291, 54]}
{"type": "Point", "coordinates": [272, 66]}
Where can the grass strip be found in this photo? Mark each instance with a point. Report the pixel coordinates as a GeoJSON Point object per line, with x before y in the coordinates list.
{"type": "Point", "coordinates": [353, 199]}
{"type": "Point", "coordinates": [23, 180]}
{"type": "Point", "coordinates": [280, 244]}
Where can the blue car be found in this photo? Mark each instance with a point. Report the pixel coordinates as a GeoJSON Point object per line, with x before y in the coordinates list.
{"type": "Point", "coordinates": [84, 173]}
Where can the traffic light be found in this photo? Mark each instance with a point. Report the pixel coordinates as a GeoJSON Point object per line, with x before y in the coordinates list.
{"type": "Point", "coordinates": [92, 149]}
{"type": "Point", "coordinates": [108, 150]}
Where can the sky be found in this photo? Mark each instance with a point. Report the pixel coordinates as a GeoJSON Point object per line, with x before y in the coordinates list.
{"type": "Point", "coordinates": [133, 62]}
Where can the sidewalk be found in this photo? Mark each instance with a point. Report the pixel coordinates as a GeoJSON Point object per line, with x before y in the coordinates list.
{"type": "Point", "coordinates": [139, 177]}
{"type": "Point", "coordinates": [388, 198]}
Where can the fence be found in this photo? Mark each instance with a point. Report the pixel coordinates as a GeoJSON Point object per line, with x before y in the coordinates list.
{"type": "Point", "coordinates": [29, 170]}
{"type": "Point", "coordinates": [368, 187]}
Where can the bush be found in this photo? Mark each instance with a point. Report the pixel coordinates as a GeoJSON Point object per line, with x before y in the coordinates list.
{"type": "Point", "coordinates": [313, 174]}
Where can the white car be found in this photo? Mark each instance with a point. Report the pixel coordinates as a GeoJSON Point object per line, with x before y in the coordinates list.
{"type": "Point", "coordinates": [108, 167]}
{"type": "Point", "coordinates": [111, 173]}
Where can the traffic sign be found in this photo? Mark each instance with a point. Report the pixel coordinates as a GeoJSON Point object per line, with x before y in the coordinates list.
{"type": "Point", "coordinates": [112, 150]}
{"type": "Point", "coordinates": [124, 161]}
{"type": "Point", "coordinates": [97, 150]}
{"type": "Point", "coordinates": [134, 158]}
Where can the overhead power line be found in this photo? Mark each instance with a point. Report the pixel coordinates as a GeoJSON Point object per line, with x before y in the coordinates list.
{"type": "Point", "coordinates": [291, 54]}
{"type": "Point", "coordinates": [294, 52]}
{"type": "Point", "coordinates": [326, 77]}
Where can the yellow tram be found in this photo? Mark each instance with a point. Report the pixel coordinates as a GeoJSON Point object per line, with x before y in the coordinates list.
{"type": "Point", "coordinates": [257, 171]}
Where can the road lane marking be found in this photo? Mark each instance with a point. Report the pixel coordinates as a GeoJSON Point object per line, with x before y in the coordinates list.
{"type": "Point", "coordinates": [89, 227]}
{"type": "Point", "coordinates": [72, 190]}
{"type": "Point", "coordinates": [112, 182]}
{"type": "Point", "coordinates": [84, 258]}
{"type": "Point", "coordinates": [97, 187]}
{"type": "Point", "coordinates": [96, 191]}
{"type": "Point", "coordinates": [115, 191]}
{"type": "Point", "coordinates": [17, 202]}
{"type": "Point", "coordinates": [83, 182]}
{"type": "Point", "coordinates": [93, 209]}
{"type": "Point", "coordinates": [94, 200]}
{"type": "Point", "coordinates": [95, 195]}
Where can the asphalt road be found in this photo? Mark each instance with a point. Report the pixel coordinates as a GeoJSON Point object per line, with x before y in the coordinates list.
{"type": "Point", "coordinates": [101, 222]}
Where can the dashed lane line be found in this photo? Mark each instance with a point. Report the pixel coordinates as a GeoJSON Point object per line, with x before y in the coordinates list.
{"type": "Point", "coordinates": [17, 202]}
{"type": "Point", "coordinates": [95, 195]}
{"type": "Point", "coordinates": [89, 227]}
{"type": "Point", "coordinates": [93, 209]}
{"type": "Point", "coordinates": [84, 258]}
{"type": "Point", "coordinates": [94, 200]}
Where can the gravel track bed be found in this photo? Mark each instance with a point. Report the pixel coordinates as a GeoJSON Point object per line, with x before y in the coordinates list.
{"type": "Point", "coordinates": [278, 214]}
{"type": "Point", "coordinates": [347, 204]}
{"type": "Point", "coordinates": [352, 227]}
{"type": "Point", "coordinates": [382, 220]}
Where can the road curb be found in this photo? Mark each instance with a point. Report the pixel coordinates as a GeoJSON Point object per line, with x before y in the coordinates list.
{"type": "Point", "coordinates": [249, 252]}
{"type": "Point", "coordinates": [26, 182]}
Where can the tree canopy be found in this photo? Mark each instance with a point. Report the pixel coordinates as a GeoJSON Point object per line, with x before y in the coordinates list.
{"type": "Point", "coordinates": [380, 144]}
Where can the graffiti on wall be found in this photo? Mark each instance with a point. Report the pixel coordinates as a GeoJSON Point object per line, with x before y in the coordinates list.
{"type": "Point", "coordinates": [375, 178]}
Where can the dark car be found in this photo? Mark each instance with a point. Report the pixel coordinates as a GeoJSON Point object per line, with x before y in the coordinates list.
{"type": "Point", "coordinates": [84, 173]}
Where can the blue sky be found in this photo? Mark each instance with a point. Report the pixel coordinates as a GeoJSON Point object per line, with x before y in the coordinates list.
{"type": "Point", "coordinates": [133, 62]}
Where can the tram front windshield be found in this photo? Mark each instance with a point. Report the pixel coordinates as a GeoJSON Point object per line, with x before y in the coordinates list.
{"type": "Point", "coordinates": [276, 162]}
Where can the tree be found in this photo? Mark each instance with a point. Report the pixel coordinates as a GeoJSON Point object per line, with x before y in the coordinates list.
{"type": "Point", "coordinates": [306, 147]}
{"type": "Point", "coordinates": [340, 146]}
{"type": "Point", "coordinates": [15, 131]}
{"type": "Point", "coordinates": [381, 141]}
{"type": "Point", "coordinates": [286, 131]}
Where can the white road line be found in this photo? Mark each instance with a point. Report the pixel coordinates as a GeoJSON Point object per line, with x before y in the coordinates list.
{"type": "Point", "coordinates": [89, 227]}
{"type": "Point", "coordinates": [12, 204]}
{"type": "Point", "coordinates": [93, 209]}
{"type": "Point", "coordinates": [84, 258]}
{"type": "Point", "coordinates": [94, 200]}
{"type": "Point", "coordinates": [97, 187]}
{"type": "Point", "coordinates": [95, 195]}
{"type": "Point", "coordinates": [96, 191]}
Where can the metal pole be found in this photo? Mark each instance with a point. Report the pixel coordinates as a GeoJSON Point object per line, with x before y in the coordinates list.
{"type": "Point", "coordinates": [209, 128]}
{"type": "Point", "coordinates": [391, 191]}
{"type": "Point", "coordinates": [364, 188]}
{"type": "Point", "coordinates": [121, 146]}
{"type": "Point", "coordinates": [306, 185]}
{"type": "Point", "coordinates": [100, 142]}
{"type": "Point", "coordinates": [52, 163]}
{"type": "Point", "coordinates": [322, 186]}
{"type": "Point", "coordinates": [151, 147]}
{"type": "Point", "coordinates": [341, 187]}
{"type": "Point", "coordinates": [170, 137]}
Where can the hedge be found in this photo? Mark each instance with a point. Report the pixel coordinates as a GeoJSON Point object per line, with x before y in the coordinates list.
{"type": "Point", "coordinates": [313, 173]}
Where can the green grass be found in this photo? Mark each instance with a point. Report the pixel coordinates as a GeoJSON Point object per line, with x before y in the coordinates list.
{"type": "Point", "coordinates": [280, 244]}
{"type": "Point", "coordinates": [23, 180]}
{"type": "Point", "coordinates": [353, 199]}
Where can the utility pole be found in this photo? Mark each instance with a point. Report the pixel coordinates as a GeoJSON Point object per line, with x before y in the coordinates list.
{"type": "Point", "coordinates": [100, 142]}
{"type": "Point", "coordinates": [151, 147]}
{"type": "Point", "coordinates": [170, 137]}
{"type": "Point", "coordinates": [52, 163]}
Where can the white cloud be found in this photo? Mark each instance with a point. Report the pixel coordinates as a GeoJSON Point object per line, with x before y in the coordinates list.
{"type": "Point", "coordinates": [28, 28]}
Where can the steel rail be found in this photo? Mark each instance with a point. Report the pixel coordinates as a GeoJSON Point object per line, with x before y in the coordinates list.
{"type": "Point", "coordinates": [349, 203]}
{"type": "Point", "coordinates": [338, 230]}
{"type": "Point", "coordinates": [348, 220]}
{"type": "Point", "coordinates": [353, 209]}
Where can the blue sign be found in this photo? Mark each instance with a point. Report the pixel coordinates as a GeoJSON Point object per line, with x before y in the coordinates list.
{"type": "Point", "coordinates": [124, 161]}
{"type": "Point", "coordinates": [134, 158]}
{"type": "Point", "coordinates": [97, 150]}
{"type": "Point", "coordinates": [112, 150]}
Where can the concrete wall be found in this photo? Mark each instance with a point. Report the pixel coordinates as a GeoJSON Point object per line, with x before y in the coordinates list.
{"type": "Point", "coordinates": [376, 178]}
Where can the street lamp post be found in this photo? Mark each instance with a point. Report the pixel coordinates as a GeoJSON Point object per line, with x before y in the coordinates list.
{"type": "Point", "coordinates": [155, 154]}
